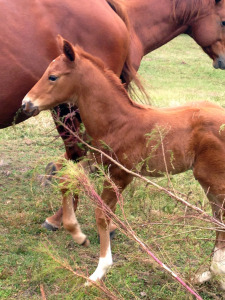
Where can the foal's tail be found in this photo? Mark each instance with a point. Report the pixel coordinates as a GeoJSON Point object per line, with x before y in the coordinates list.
{"type": "Point", "coordinates": [129, 73]}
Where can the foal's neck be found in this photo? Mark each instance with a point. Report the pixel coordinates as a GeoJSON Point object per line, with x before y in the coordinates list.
{"type": "Point", "coordinates": [103, 103]}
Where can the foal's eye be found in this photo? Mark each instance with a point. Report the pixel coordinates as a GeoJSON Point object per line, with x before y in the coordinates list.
{"type": "Point", "coordinates": [223, 23]}
{"type": "Point", "coordinates": [52, 78]}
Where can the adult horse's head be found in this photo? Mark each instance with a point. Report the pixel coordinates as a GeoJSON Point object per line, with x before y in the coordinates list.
{"type": "Point", "coordinates": [55, 86]}
{"type": "Point", "coordinates": [208, 29]}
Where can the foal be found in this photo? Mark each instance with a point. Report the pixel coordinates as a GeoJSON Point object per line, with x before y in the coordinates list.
{"type": "Point", "coordinates": [192, 136]}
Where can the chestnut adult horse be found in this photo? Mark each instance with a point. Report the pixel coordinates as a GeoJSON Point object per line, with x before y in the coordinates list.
{"type": "Point", "coordinates": [191, 133]}
{"type": "Point", "coordinates": [28, 30]}
{"type": "Point", "coordinates": [154, 23]}
{"type": "Point", "coordinates": [27, 34]}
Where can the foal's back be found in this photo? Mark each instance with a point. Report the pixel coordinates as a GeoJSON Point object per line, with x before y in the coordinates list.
{"type": "Point", "coordinates": [171, 138]}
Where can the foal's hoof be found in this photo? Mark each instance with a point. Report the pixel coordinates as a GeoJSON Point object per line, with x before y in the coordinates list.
{"type": "Point", "coordinates": [88, 283]}
{"type": "Point", "coordinates": [49, 226]}
{"type": "Point", "coordinates": [222, 285]}
{"type": "Point", "coordinates": [201, 278]}
{"type": "Point", "coordinates": [86, 243]}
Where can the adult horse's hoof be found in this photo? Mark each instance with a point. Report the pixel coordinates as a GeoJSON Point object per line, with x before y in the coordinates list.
{"type": "Point", "coordinates": [49, 226]}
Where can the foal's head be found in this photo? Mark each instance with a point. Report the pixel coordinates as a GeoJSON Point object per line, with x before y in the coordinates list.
{"type": "Point", "coordinates": [59, 83]}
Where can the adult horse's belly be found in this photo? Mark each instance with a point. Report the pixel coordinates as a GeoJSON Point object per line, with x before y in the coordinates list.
{"type": "Point", "coordinates": [28, 31]}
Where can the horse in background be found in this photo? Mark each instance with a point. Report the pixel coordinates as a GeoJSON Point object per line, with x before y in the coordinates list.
{"type": "Point", "coordinates": [120, 33]}
{"type": "Point", "coordinates": [192, 135]}
{"type": "Point", "coordinates": [154, 23]}
{"type": "Point", "coordinates": [28, 30]}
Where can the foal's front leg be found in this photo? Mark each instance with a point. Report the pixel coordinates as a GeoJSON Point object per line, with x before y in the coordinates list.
{"type": "Point", "coordinates": [109, 197]}
{"type": "Point", "coordinates": [53, 222]}
{"type": "Point", "coordinates": [70, 222]}
{"type": "Point", "coordinates": [105, 260]}
{"type": "Point", "coordinates": [69, 219]}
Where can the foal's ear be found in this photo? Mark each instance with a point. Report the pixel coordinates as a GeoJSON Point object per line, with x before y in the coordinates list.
{"type": "Point", "coordinates": [66, 48]}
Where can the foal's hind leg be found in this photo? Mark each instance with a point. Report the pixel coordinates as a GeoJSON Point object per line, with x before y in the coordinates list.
{"type": "Point", "coordinates": [209, 170]}
{"type": "Point", "coordinates": [218, 260]}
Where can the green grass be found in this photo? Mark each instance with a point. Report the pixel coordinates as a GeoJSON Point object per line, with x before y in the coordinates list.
{"type": "Point", "coordinates": [30, 257]}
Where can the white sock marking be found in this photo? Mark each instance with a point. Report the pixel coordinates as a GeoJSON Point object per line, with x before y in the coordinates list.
{"type": "Point", "coordinates": [103, 265]}
{"type": "Point", "coordinates": [218, 265]}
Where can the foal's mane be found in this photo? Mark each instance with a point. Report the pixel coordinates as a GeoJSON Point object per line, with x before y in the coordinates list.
{"type": "Point", "coordinates": [185, 11]}
{"type": "Point", "coordinates": [110, 76]}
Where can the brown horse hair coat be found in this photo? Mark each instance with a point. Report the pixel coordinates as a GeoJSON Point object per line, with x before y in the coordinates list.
{"type": "Point", "coordinates": [138, 136]}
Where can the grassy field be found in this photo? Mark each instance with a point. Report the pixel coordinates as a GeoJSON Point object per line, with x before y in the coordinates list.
{"type": "Point", "coordinates": [32, 259]}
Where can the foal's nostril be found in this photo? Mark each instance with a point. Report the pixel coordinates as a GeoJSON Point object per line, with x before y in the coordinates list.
{"type": "Point", "coordinates": [28, 106]}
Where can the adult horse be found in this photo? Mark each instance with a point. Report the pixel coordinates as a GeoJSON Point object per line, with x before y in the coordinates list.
{"type": "Point", "coordinates": [154, 23]}
{"type": "Point", "coordinates": [28, 30]}
{"type": "Point", "coordinates": [27, 33]}
{"type": "Point", "coordinates": [191, 133]}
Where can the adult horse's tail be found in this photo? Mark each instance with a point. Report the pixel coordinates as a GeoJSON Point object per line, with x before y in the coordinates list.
{"type": "Point", "coordinates": [129, 73]}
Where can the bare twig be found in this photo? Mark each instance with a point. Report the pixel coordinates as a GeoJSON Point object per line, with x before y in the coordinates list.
{"type": "Point", "coordinates": [42, 292]}
{"type": "Point", "coordinates": [100, 285]}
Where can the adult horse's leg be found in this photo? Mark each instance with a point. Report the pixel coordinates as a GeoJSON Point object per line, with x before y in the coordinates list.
{"type": "Point", "coordinates": [110, 199]}
{"type": "Point", "coordinates": [212, 179]}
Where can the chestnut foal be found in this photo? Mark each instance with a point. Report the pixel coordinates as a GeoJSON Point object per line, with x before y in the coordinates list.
{"type": "Point", "coordinates": [192, 135]}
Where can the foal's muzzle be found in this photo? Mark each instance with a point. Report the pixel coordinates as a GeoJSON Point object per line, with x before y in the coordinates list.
{"type": "Point", "coordinates": [29, 108]}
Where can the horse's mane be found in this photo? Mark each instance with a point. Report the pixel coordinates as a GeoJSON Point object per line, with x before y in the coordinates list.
{"type": "Point", "coordinates": [128, 73]}
{"type": "Point", "coordinates": [110, 75]}
{"type": "Point", "coordinates": [119, 7]}
{"type": "Point", "coordinates": [185, 11]}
